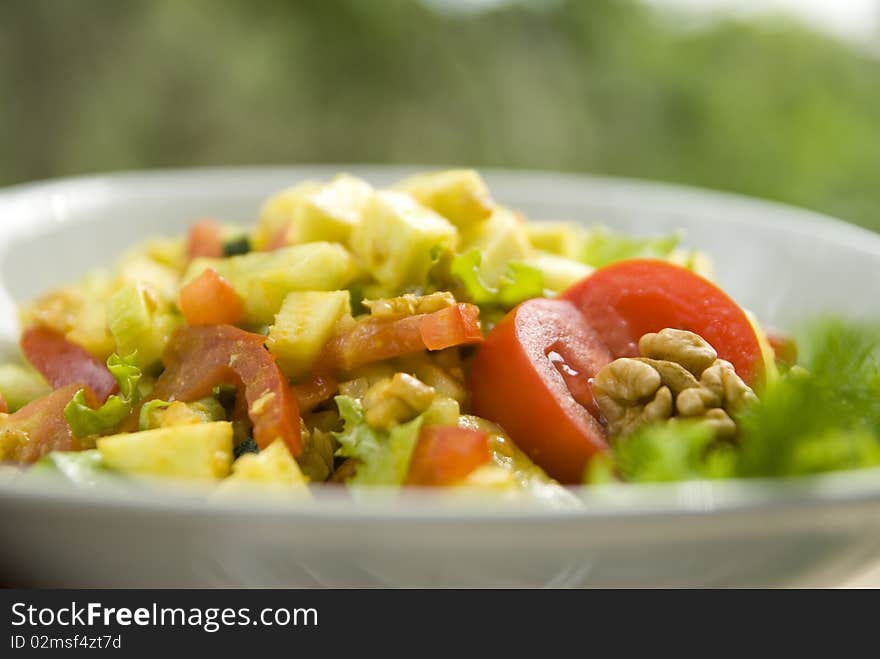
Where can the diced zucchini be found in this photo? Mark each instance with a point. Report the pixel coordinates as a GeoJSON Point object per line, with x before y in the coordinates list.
{"type": "Point", "coordinates": [443, 411]}
{"type": "Point", "coordinates": [273, 466]}
{"type": "Point", "coordinates": [164, 414]}
{"type": "Point", "coordinates": [459, 195]}
{"type": "Point", "coordinates": [331, 212]}
{"type": "Point", "coordinates": [562, 238]}
{"type": "Point", "coordinates": [264, 279]}
{"type": "Point", "coordinates": [278, 212]}
{"type": "Point", "coordinates": [199, 451]}
{"type": "Point", "coordinates": [501, 239]}
{"type": "Point", "coordinates": [19, 385]}
{"type": "Point", "coordinates": [398, 239]}
{"type": "Point", "coordinates": [137, 268]}
{"type": "Point", "coordinates": [559, 272]}
{"type": "Point", "coordinates": [313, 212]}
{"type": "Point", "coordinates": [306, 322]}
{"type": "Point", "coordinates": [78, 312]}
{"type": "Point", "coordinates": [137, 321]}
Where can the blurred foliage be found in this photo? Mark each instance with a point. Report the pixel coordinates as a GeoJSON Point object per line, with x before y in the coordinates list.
{"type": "Point", "coordinates": [770, 108]}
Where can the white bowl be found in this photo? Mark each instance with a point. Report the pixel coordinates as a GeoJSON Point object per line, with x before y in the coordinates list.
{"type": "Point", "coordinates": [783, 263]}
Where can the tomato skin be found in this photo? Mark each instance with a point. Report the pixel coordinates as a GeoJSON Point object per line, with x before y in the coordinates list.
{"type": "Point", "coordinates": [784, 347]}
{"type": "Point", "coordinates": [199, 358]}
{"type": "Point", "coordinates": [204, 240]}
{"type": "Point", "coordinates": [63, 362]}
{"type": "Point", "coordinates": [628, 299]}
{"type": "Point", "coordinates": [314, 391]}
{"type": "Point", "coordinates": [375, 340]}
{"type": "Point", "coordinates": [519, 381]}
{"type": "Point", "coordinates": [445, 455]}
{"type": "Point", "coordinates": [452, 326]}
{"type": "Point", "coordinates": [41, 423]}
{"type": "Point", "coordinates": [210, 300]}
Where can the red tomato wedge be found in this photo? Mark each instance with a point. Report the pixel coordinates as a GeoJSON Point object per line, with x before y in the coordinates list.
{"type": "Point", "coordinates": [531, 376]}
{"type": "Point", "coordinates": [204, 240]}
{"type": "Point", "coordinates": [314, 391]}
{"type": "Point", "coordinates": [784, 347]}
{"type": "Point", "coordinates": [200, 358]}
{"type": "Point", "coordinates": [210, 300]}
{"type": "Point", "coordinates": [63, 362]}
{"type": "Point", "coordinates": [4, 407]}
{"type": "Point", "coordinates": [625, 300]}
{"type": "Point", "coordinates": [445, 455]}
{"type": "Point", "coordinates": [453, 326]}
{"type": "Point", "coordinates": [40, 427]}
{"type": "Point", "coordinates": [375, 340]}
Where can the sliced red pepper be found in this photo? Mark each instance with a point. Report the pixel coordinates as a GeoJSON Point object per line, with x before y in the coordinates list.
{"type": "Point", "coordinates": [63, 362]}
{"type": "Point", "coordinates": [40, 427]}
{"type": "Point", "coordinates": [200, 358]}
{"type": "Point", "coordinates": [204, 240]}
{"type": "Point", "coordinates": [376, 340]}
{"type": "Point", "coordinates": [445, 455]}
{"type": "Point", "coordinates": [210, 300]}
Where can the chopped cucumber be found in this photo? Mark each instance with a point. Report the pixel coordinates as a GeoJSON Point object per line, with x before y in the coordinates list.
{"type": "Point", "coordinates": [501, 239]}
{"type": "Point", "coordinates": [264, 279]}
{"type": "Point", "coordinates": [198, 451]}
{"type": "Point", "coordinates": [459, 195]}
{"type": "Point", "coordinates": [559, 272]}
{"type": "Point", "coordinates": [306, 321]}
{"type": "Point", "coordinates": [398, 239]}
{"type": "Point", "coordinates": [19, 385]}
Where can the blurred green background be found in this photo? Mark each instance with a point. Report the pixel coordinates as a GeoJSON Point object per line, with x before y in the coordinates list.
{"type": "Point", "coordinates": [764, 107]}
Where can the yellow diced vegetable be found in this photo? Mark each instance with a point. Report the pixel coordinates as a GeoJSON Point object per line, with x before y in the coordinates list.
{"type": "Point", "coordinates": [306, 321]}
{"type": "Point", "coordinates": [398, 239]}
{"type": "Point", "coordinates": [459, 195]}
{"type": "Point", "coordinates": [200, 451]}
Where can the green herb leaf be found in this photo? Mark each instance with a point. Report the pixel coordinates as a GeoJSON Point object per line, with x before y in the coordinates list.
{"type": "Point", "coordinates": [247, 446]}
{"type": "Point", "coordinates": [826, 418]}
{"type": "Point", "coordinates": [237, 246]}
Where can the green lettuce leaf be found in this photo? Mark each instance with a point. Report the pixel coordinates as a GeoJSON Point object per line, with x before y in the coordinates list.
{"type": "Point", "coordinates": [520, 282]}
{"type": "Point", "coordinates": [382, 457]}
{"type": "Point", "coordinates": [85, 420]}
{"type": "Point", "coordinates": [604, 246]}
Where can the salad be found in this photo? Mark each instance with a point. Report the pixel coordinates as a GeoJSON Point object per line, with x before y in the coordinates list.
{"type": "Point", "coordinates": [424, 335]}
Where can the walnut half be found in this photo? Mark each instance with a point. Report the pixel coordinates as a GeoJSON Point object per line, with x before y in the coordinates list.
{"type": "Point", "coordinates": [678, 374]}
